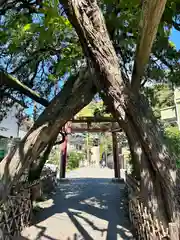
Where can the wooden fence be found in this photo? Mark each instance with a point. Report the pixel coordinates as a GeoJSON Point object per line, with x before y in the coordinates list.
{"type": "Point", "coordinates": [145, 226]}
{"type": "Point", "coordinates": [15, 214]}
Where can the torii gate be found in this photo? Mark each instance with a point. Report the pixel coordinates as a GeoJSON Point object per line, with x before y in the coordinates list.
{"type": "Point", "coordinates": [85, 124]}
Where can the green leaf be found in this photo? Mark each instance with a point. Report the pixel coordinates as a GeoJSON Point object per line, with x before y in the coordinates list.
{"type": "Point", "coordinates": [172, 44]}
{"type": "Point", "coordinates": [27, 27]}
{"type": "Point", "coordinates": [52, 78]}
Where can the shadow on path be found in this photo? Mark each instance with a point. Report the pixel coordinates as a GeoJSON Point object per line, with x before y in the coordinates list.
{"type": "Point", "coordinates": [96, 207]}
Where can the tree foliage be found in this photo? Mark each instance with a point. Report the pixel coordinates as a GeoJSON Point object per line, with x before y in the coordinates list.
{"type": "Point", "coordinates": [39, 48]}
{"type": "Point", "coordinates": [39, 45]}
{"type": "Point", "coordinates": [74, 159]}
{"type": "Point", "coordinates": [160, 96]}
{"type": "Point", "coordinates": [173, 140]}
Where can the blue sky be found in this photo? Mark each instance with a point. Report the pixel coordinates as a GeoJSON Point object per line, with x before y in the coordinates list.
{"type": "Point", "coordinates": [175, 38]}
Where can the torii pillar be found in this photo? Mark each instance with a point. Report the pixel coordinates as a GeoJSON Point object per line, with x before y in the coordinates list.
{"type": "Point", "coordinates": [115, 156]}
{"type": "Point", "coordinates": [64, 151]}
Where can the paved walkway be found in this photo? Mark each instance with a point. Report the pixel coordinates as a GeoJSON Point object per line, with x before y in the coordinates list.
{"type": "Point", "coordinates": [83, 208]}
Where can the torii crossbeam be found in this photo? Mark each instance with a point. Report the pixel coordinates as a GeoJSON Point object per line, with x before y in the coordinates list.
{"type": "Point", "coordinates": [84, 124]}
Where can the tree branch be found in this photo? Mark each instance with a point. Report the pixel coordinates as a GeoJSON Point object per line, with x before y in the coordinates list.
{"type": "Point", "coordinates": [163, 60]}
{"type": "Point", "coordinates": [10, 96]}
{"type": "Point", "coordinates": [176, 25]}
{"type": "Point", "coordinates": [151, 16]}
{"type": "Point", "coordinates": [11, 82]}
{"type": "Point", "coordinates": [36, 54]}
{"type": "Point", "coordinates": [18, 5]}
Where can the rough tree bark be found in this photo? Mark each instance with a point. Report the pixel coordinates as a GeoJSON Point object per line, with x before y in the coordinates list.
{"type": "Point", "coordinates": [89, 23]}
{"type": "Point", "coordinates": [15, 84]}
{"type": "Point", "coordinates": [76, 93]}
{"type": "Point", "coordinates": [37, 166]}
{"type": "Point", "coordinates": [135, 150]}
{"type": "Point", "coordinates": [143, 171]}
{"type": "Point", "coordinates": [134, 144]}
{"type": "Point", "coordinates": [150, 18]}
{"type": "Point", "coordinates": [150, 186]}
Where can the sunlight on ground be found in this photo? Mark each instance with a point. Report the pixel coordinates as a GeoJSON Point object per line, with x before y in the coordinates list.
{"type": "Point", "coordinates": [96, 227]}
{"type": "Point", "coordinates": [88, 208]}
{"type": "Point", "coordinates": [93, 201]}
{"type": "Point", "coordinates": [91, 172]}
{"type": "Point", "coordinates": [70, 195]}
{"type": "Point", "coordinates": [46, 204]}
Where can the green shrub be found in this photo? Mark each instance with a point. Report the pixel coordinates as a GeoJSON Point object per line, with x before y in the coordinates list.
{"type": "Point", "coordinates": [172, 135]}
{"type": "Point", "coordinates": [74, 159]}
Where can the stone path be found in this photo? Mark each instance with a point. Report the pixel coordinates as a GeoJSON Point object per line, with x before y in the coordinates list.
{"type": "Point", "coordinates": [83, 208]}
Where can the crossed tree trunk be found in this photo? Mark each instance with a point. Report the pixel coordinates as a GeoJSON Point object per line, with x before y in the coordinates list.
{"type": "Point", "coordinates": [90, 26]}
{"type": "Point", "coordinates": [158, 171]}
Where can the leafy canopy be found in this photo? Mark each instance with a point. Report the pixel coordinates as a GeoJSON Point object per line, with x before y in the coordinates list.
{"type": "Point", "coordinates": [39, 46]}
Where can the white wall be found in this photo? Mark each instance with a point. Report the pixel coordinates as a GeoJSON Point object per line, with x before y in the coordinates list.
{"type": "Point", "coordinates": [9, 126]}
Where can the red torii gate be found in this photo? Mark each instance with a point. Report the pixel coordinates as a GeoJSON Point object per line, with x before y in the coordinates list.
{"type": "Point", "coordinates": [71, 127]}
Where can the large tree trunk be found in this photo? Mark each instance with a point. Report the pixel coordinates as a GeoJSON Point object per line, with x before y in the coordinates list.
{"type": "Point", "coordinates": [37, 166]}
{"type": "Point", "coordinates": [135, 149]}
{"type": "Point", "coordinates": [142, 171]}
{"type": "Point", "coordinates": [89, 23]}
{"type": "Point", "coordinates": [76, 93]}
{"type": "Point", "coordinates": [150, 186]}
{"type": "Point", "coordinates": [150, 18]}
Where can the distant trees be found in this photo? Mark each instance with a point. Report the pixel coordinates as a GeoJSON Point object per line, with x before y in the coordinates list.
{"type": "Point", "coordinates": [159, 96]}
{"type": "Point", "coordinates": [74, 159]}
